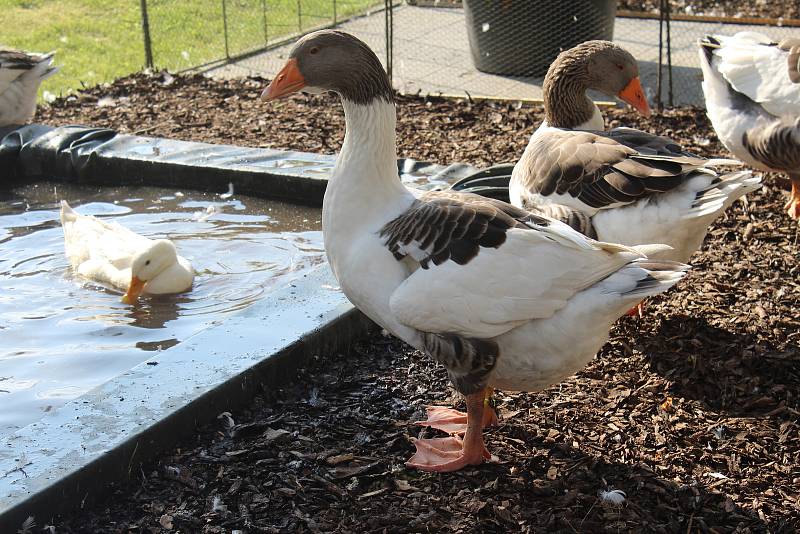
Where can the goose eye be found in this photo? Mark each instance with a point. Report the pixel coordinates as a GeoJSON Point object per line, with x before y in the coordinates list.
{"type": "Point", "coordinates": [147, 262]}
{"type": "Point", "coordinates": [314, 50]}
{"type": "Point", "coordinates": [620, 66]}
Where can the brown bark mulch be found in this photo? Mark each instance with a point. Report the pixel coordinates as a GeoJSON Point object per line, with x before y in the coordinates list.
{"type": "Point", "coordinates": [692, 410]}
{"type": "Point", "coordinates": [774, 9]}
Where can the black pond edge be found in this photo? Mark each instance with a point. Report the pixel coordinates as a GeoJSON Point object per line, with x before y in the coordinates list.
{"type": "Point", "coordinates": [99, 156]}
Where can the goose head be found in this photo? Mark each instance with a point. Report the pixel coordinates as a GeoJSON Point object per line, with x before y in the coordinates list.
{"type": "Point", "coordinates": [598, 65]}
{"type": "Point", "coordinates": [148, 264]}
{"type": "Point", "coordinates": [330, 60]}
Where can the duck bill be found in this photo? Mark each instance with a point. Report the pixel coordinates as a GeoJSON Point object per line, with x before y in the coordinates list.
{"type": "Point", "coordinates": [288, 81]}
{"type": "Point", "coordinates": [633, 94]}
{"type": "Point", "coordinates": [133, 292]}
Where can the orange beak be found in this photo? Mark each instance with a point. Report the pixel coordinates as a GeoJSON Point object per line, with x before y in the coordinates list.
{"type": "Point", "coordinates": [633, 94]}
{"type": "Point", "coordinates": [134, 290]}
{"type": "Point", "coordinates": [285, 83]}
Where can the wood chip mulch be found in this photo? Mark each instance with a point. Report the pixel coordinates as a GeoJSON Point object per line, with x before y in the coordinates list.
{"type": "Point", "coordinates": [691, 411]}
{"type": "Point", "coordinates": [769, 9]}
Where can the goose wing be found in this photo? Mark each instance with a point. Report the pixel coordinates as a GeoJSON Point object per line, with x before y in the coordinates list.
{"type": "Point", "coordinates": [761, 69]}
{"type": "Point", "coordinates": [777, 145]}
{"type": "Point", "coordinates": [600, 170]}
{"type": "Point", "coordinates": [482, 267]}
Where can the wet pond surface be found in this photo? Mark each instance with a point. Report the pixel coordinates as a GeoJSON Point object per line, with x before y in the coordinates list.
{"type": "Point", "coordinates": [61, 335]}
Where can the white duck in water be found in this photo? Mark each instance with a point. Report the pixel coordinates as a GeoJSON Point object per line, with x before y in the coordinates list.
{"type": "Point", "coordinates": [626, 186]}
{"type": "Point", "coordinates": [500, 296]}
{"type": "Point", "coordinates": [21, 73]}
{"type": "Point", "coordinates": [752, 90]}
{"type": "Point", "coordinates": [113, 255]}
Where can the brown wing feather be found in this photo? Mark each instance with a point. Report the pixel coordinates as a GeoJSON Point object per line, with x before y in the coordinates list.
{"type": "Point", "coordinates": [606, 168]}
{"type": "Point", "coordinates": [448, 225]}
{"type": "Point", "coordinates": [18, 60]}
{"type": "Point", "coordinates": [577, 220]}
{"type": "Point", "coordinates": [777, 146]}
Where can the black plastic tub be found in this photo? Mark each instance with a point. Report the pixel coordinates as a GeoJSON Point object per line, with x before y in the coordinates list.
{"type": "Point", "coordinates": [522, 38]}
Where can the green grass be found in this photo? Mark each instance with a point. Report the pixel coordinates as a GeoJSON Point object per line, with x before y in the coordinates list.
{"type": "Point", "coordinates": [99, 40]}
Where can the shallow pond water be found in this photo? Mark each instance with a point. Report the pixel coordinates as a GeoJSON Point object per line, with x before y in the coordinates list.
{"type": "Point", "coordinates": [61, 335]}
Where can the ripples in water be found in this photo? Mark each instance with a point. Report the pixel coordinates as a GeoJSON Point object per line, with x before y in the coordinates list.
{"type": "Point", "coordinates": [61, 335]}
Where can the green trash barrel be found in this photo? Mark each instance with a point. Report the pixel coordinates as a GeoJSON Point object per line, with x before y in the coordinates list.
{"type": "Point", "coordinates": [523, 37]}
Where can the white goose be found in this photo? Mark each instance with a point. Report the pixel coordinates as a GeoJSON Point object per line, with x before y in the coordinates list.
{"type": "Point", "coordinates": [21, 73]}
{"type": "Point", "coordinates": [500, 296]}
{"type": "Point", "coordinates": [631, 187]}
{"type": "Point", "coordinates": [113, 255]}
{"type": "Point", "coordinates": [752, 90]}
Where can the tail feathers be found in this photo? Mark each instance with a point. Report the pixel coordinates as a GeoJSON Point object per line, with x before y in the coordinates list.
{"type": "Point", "coordinates": [67, 213]}
{"type": "Point", "coordinates": [15, 64]}
{"type": "Point", "coordinates": [715, 162]}
{"type": "Point", "coordinates": [652, 249]}
{"type": "Point", "coordinates": [708, 44]}
{"type": "Point", "coordinates": [652, 277]}
{"type": "Point", "coordinates": [723, 192]}
{"type": "Point", "coordinates": [42, 70]}
{"type": "Point", "coordinates": [642, 278]}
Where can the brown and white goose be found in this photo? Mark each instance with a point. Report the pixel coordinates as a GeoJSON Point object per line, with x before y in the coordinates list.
{"type": "Point", "coordinates": [752, 89]}
{"type": "Point", "coordinates": [21, 73]}
{"type": "Point", "coordinates": [633, 187]}
{"type": "Point", "coordinates": [500, 296]}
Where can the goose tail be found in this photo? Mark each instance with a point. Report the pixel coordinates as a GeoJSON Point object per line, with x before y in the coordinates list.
{"type": "Point", "coordinates": [723, 192]}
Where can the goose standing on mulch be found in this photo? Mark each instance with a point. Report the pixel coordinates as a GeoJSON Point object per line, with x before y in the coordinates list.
{"type": "Point", "coordinates": [500, 296]}
{"type": "Point", "coordinates": [631, 187]}
{"type": "Point", "coordinates": [21, 73]}
{"type": "Point", "coordinates": [752, 90]}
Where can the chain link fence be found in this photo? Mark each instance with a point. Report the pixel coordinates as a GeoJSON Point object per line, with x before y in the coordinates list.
{"type": "Point", "coordinates": [679, 81]}
{"type": "Point", "coordinates": [502, 48]}
{"type": "Point", "coordinates": [191, 34]}
{"type": "Point", "coordinates": [480, 48]}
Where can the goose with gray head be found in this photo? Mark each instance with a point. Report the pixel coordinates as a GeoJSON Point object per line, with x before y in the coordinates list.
{"type": "Point", "coordinates": [630, 186]}
{"type": "Point", "coordinates": [21, 74]}
{"type": "Point", "coordinates": [500, 296]}
{"type": "Point", "coordinates": [752, 89]}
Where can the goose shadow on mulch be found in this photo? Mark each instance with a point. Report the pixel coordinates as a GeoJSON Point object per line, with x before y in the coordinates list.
{"type": "Point", "coordinates": [729, 372]}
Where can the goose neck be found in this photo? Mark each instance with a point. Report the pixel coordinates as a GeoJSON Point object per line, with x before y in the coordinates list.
{"type": "Point", "coordinates": [565, 102]}
{"type": "Point", "coordinates": [368, 159]}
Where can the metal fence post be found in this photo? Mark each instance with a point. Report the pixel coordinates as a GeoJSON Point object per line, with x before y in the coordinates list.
{"type": "Point", "coordinates": [389, 34]}
{"type": "Point", "coordinates": [664, 17]}
{"type": "Point", "coordinates": [669, 53]}
{"type": "Point", "coordinates": [148, 48]}
{"type": "Point", "coordinates": [299, 17]}
{"type": "Point", "coordinates": [225, 27]}
{"type": "Point", "coordinates": [264, 14]}
{"type": "Point", "coordinates": [334, 13]}
{"type": "Point", "coordinates": [659, 103]}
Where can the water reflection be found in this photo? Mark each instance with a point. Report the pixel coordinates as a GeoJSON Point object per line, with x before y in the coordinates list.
{"type": "Point", "coordinates": [156, 312]}
{"type": "Point", "coordinates": [61, 335]}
